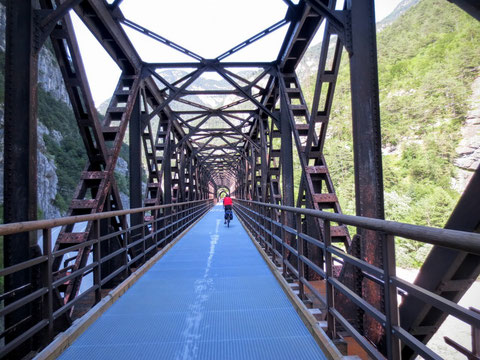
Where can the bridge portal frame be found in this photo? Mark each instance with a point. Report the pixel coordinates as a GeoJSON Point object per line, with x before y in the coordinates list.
{"type": "Point", "coordinates": [254, 169]}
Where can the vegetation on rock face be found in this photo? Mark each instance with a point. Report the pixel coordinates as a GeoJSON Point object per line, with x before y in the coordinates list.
{"type": "Point", "coordinates": [427, 62]}
{"type": "Point", "coordinates": [69, 153]}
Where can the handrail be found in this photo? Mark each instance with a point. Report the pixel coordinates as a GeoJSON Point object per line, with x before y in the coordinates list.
{"type": "Point", "coordinates": [155, 234]}
{"type": "Point", "coordinates": [274, 236]}
{"type": "Point", "coordinates": [453, 239]}
{"type": "Point", "coordinates": [8, 229]}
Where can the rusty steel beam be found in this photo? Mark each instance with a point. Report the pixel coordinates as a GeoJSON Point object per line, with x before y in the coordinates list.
{"type": "Point", "coordinates": [286, 156]}
{"type": "Point", "coordinates": [304, 22]}
{"type": "Point", "coordinates": [196, 65]}
{"type": "Point", "coordinates": [245, 93]}
{"type": "Point", "coordinates": [20, 156]}
{"type": "Point", "coordinates": [367, 146]}
{"type": "Point", "coordinates": [470, 6]}
{"type": "Point", "coordinates": [100, 21]}
{"type": "Point", "coordinates": [160, 39]}
{"type": "Point", "coordinates": [61, 10]}
{"type": "Point", "coordinates": [135, 152]}
{"type": "Point", "coordinates": [251, 40]}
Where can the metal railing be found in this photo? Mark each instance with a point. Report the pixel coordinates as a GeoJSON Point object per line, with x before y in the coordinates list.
{"type": "Point", "coordinates": [287, 244]}
{"type": "Point", "coordinates": [137, 244]}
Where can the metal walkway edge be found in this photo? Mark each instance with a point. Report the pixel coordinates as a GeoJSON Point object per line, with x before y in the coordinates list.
{"type": "Point", "coordinates": [212, 296]}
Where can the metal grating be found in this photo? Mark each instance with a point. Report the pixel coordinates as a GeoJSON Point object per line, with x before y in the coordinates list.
{"type": "Point", "coordinates": [200, 302]}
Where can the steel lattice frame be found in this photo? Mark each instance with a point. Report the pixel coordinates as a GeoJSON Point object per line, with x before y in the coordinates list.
{"type": "Point", "coordinates": [191, 149]}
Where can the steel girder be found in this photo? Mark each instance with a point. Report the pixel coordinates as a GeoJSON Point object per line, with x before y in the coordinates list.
{"type": "Point", "coordinates": [20, 157]}
{"type": "Point", "coordinates": [367, 150]}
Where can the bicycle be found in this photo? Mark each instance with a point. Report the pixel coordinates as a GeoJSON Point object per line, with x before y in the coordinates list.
{"type": "Point", "coordinates": [228, 216]}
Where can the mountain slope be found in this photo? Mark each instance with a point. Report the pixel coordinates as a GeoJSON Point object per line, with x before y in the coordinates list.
{"type": "Point", "coordinates": [396, 13]}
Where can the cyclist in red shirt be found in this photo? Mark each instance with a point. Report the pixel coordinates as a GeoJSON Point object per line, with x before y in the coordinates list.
{"type": "Point", "coordinates": [227, 205]}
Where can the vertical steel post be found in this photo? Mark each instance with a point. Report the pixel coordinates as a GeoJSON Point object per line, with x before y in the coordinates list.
{"type": "Point", "coordinates": [284, 240]}
{"type": "Point", "coordinates": [270, 236]}
{"type": "Point", "coordinates": [300, 264]}
{"type": "Point", "coordinates": [253, 182]}
{"type": "Point", "coordinates": [135, 157]}
{"type": "Point", "coordinates": [288, 198]}
{"type": "Point", "coordinates": [143, 245]}
{"type": "Point", "coordinates": [475, 337]}
{"type": "Point", "coordinates": [20, 152]}
{"type": "Point", "coordinates": [367, 143]}
{"type": "Point", "coordinates": [263, 159]}
{"type": "Point", "coordinates": [167, 174]}
{"type": "Point", "coordinates": [329, 287]}
{"type": "Point", "coordinates": [167, 189]}
{"type": "Point", "coordinates": [191, 193]}
{"type": "Point", "coordinates": [135, 166]}
{"type": "Point", "coordinates": [287, 155]}
{"type": "Point", "coordinates": [390, 293]}
{"type": "Point", "coordinates": [48, 282]}
{"type": "Point", "coordinates": [97, 257]}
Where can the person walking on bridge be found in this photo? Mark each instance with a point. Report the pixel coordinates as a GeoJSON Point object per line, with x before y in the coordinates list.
{"type": "Point", "coordinates": [227, 205]}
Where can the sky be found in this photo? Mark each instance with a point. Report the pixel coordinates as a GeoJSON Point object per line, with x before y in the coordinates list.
{"type": "Point", "coordinates": [214, 26]}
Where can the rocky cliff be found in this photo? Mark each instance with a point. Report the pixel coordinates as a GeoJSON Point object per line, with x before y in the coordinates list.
{"type": "Point", "coordinates": [468, 149]}
{"type": "Point", "coordinates": [50, 78]}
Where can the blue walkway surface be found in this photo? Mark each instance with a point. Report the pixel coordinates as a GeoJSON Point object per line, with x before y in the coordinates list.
{"type": "Point", "coordinates": [210, 297]}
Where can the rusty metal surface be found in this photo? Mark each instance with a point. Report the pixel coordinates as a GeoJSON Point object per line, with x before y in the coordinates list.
{"type": "Point", "coordinates": [20, 159]}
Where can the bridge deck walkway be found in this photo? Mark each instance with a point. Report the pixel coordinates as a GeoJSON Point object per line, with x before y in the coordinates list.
{"type": "Point", "coordinates": [211, 296]}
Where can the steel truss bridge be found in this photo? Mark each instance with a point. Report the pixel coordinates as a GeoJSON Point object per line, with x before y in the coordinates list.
{"type": "Point", "coordinates": [345, 283]}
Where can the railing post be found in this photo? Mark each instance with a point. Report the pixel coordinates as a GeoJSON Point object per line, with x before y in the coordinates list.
{"type": "Point", "coordinates": [168, 222]}
{"type": "Point", "coordinates": [263, 216]}
{"type": "Point", "coordinates": [97, 271]}
{"type": "Point", "coordinates": [329, 287]}
{"type": "Point", "coordinates": [475, 337]}
{"type": "Point", "coordinates": [269, 249]}
{"type": "Point", "coordinates": [390, 297]}
{"type": "Point", "coordinates": [48, 280]}
{"type": "Point", "coordinates": [300, 264]}
{"type": "Point", "coordinates": [177, 217]}
{"type": "Point", "coordinates": [190, 212]}
{"type": "Point", "coordinates": [154, 226]}
{"type": "Point", "coordinates": [125, 243]}
{"type": "Point", "coordinates": [181, 216]}
{"type": "Point", "coordinates": [186, 214]}
{"type": "Point", "coordinates": [255, 216]}
{"type": "Point", "coordinates": [143, 242]}
{"type": "Point", "coordinates": [283, 235]}
{"type": "Point", "coordinates": [163, 224]}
